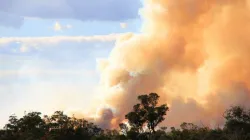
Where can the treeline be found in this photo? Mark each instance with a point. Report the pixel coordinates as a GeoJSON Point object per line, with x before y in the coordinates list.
{"type": "Point", "coordinates": [142, 124]}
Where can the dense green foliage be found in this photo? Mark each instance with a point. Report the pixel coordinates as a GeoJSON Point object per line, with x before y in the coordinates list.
{"type": "Point", "coordinates": [142, 125]}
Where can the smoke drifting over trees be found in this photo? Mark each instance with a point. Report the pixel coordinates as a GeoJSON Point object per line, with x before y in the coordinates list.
{"type": "Point", "coordinates": [194, 53]}
{"type": "Point", "coordinates": [143, 124]}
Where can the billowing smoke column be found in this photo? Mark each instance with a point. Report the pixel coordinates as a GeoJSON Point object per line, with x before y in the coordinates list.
{"type": "Point", "coordinates": [194, 53]}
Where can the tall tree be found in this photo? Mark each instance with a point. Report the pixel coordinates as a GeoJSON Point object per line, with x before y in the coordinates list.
{"type": "Point", "coordinates": [237, 119]}
{"type": "Point", "coordinates": [147, 113]}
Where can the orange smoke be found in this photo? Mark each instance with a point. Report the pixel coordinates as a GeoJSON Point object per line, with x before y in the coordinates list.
{"type": "Point", "coordinates": [194, 53]}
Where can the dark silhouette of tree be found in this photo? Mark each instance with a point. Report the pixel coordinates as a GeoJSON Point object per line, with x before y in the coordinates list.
{"type": "Point", "coordinates": [142, 120]}
{"type": "Point", "coordinates": [237, 120]}
{"type": "Point", "coordinates": [147, 113]}
{"type": "Point", "coordinates": [13, 123]}
{"type": "Point", "coordinates": [56, 127]}
{"type": "Point", "coordinates": [30, 126]}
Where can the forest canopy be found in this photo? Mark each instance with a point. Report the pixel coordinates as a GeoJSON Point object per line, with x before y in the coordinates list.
{"type": "Point", "coordinates": [142, 124]}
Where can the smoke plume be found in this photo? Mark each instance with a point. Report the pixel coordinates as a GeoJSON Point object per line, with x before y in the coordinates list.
{"type": "Point", "coordinates": [194, 53]}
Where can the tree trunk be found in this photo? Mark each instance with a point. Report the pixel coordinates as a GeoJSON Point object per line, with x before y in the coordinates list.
{"type": "Point", "coordinates": [153, 128]}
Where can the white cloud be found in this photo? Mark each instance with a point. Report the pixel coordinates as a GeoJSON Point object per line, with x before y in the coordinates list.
{"type": "Point", "coordinates": [68, 26]}
{"type": "Point", "coordinates": [24, 48]}
{"type": "Point", "coordinates": [14, 11]}
{"type": "Point", "coordinates": [10, 20]}
{"type": "Point", "coordinates": [59, 27]}
{"type": "Point", "coordinates": [37, 42]}
{"type": "Point", "coordinates": [43, 72]}
{"type": "Point", "coordinates": [57, 39]}
{"type": "Point", "coordinates": [31, 18]}
{"type": "Point", "coordinates": [123, 25]}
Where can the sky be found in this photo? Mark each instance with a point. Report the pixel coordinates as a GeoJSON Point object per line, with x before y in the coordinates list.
{"type": "Point", "coordinates": [49, 50]}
